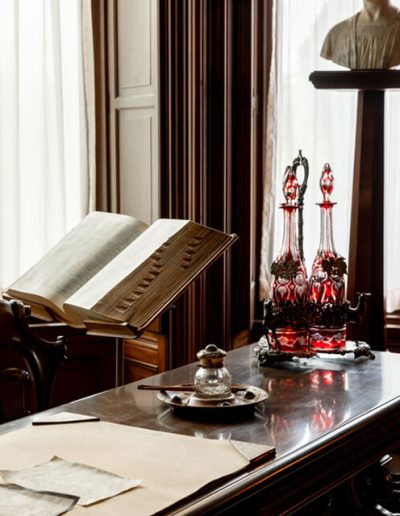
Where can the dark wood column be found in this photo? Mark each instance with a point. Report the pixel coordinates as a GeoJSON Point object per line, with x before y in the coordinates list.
{"type": "Point", "coordinates": [99, 25]}
{"type": "Point", "coordinates": [366, 256]}
{"type": "Point", "coordinates": [183, 152]}
{"type": "Point", "coordinates": [213, 77]}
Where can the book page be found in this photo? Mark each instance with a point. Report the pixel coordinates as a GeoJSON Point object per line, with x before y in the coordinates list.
{"type": "Point", "coordinates": [82, 253]}
{"type": "Point", "coordinates": [80, 304]}
{"type": "Point", "coordinates": [148, 275]}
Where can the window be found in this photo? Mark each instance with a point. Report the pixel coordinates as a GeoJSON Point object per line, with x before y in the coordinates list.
{"type": "Point", "coordinates": [44, 187]}
{"type": "Point", "coordinates": [322, 124]}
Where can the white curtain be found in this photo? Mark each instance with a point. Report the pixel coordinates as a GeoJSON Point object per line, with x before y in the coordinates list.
{"type": "Point", "coordinates": [44, 181]}
{"type": "Point", "coordinates": [322, 124]}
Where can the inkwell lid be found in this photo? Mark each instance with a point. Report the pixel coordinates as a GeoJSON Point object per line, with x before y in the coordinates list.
{"type": "Point", "coordinates": [211, 356]}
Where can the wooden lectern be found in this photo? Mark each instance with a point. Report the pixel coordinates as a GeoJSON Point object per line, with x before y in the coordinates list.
{"type": "Point", "coordinates": [366, 256]}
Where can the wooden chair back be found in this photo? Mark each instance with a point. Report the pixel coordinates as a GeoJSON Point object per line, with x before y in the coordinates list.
{"type": "Point", "coordinates": [28, 364]}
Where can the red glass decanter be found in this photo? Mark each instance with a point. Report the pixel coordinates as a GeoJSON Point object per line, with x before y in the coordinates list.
{"type": "Point", "coordinates": [326, 284]}
{"type": "Point", "coordinates": [289, 288]}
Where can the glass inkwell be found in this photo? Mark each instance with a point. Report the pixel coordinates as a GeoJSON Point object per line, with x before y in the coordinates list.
{"type": "Point", "coordinates": [212, 379]}
{"type": "Point", "coordinates": [326, 284]}
{"type": "Point", "coordinates": [212, 394]}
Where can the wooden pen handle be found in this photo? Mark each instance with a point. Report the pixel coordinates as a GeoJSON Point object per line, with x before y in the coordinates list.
{"type": "Point", "coordinates": [183, 387]}
{"type": "Point", "coordinates": [146, 387]}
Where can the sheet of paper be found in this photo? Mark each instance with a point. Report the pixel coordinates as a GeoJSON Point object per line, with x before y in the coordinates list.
{"type": "Point", "coordinates": [16, 500]}
{"type": "Point", "coordinates": [61, 476]}
{"type": "Point", "coordinates": [171, 466]}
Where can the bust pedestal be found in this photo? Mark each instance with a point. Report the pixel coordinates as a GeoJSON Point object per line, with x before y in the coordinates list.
{"type": "Point", "coordinates": [366, 259]}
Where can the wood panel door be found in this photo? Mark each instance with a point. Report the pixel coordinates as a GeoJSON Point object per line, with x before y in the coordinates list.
{"type": "Point", "coordinates": [132, 42]}
{"type": "Point", "coordinates": [127, 133]}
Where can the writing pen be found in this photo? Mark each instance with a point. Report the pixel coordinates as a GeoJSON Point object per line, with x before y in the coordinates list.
{"type": "Point", "coordinates": [39, 422]}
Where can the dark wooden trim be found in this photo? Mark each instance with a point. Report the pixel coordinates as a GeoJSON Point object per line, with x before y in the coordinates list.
{"type": "Point", "coordinates": [113, 113]}
{"type": "Point", "coordinates": [366, 260]}
{"type": "Point", "coordinates": [242, 165]}
{"type": "Point", "coordinates": [262, 52]}
{"type": "Point", "coordinates": [197, 157]}
{"type": "Point", "coordinates": [99, 27]}
{"type": "Point", "coordinates": [371, 80]}
{"type": "Point", "coordinates": [194, 170]}
{"type": "Point", "coordinates": [219, 178]}
{"type": "Point", "coordinates": [392, 332]}
{"type": "Point", "coordinates": [183, 151]}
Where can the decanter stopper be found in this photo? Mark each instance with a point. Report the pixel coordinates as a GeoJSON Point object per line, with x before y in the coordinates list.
{"type": "Point", "coordinates": [327, 183]}
{"type": "Point", "coordinates": [290, 186]}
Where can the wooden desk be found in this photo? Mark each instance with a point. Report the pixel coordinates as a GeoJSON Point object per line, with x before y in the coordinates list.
{"type": "Point", "coordinates": [328, 419]}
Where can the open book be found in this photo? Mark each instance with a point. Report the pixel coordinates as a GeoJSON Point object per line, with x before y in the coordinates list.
{"type": "Point", "coordinates": [114, 274]}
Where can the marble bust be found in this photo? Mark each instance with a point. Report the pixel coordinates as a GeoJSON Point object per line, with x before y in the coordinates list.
{"type": "Point", "coordinates": [369, 39]}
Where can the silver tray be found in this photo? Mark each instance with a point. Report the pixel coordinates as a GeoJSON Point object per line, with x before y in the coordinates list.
{"type": "Point", "coordinates": [239, 403]}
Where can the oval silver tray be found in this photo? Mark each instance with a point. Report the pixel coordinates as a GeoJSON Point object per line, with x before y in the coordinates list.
{"type": "Point", "coordinates": [242, 401]}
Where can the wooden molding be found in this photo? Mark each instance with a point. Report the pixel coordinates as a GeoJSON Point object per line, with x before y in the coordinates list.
{"type": "Point", "coordinates": [262, 56]}
{"type": "Point", "coordinates": [99, 25]}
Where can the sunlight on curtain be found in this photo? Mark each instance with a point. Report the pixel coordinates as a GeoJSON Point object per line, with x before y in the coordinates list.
{"type": "Point", "coordinates": [322, 124]}
{"type": "Point", "coordinates": [43, 151]}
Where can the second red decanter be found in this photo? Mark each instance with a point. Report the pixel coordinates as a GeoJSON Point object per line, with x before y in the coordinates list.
{"type": "Point", "coordinates": [327, 330]}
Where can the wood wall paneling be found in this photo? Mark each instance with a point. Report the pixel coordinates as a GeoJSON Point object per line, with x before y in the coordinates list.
{"type": "Point", "coordinates": [242, 173]}
{"type": "Point", "coordinates": [212, 142]}
{"type": "Point", "coordinates": [144, 356]}
{"type": "Point", "coordinates": [219, 165]}
{"type": "Point", "coordinates": [127, 53]}
{"type": "Point", "coordinates": [183, 151]}
{"type": "Point", "coordinates": [209, 93]}
{"type": "Point", "coordinates": [135, 147]}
